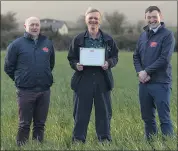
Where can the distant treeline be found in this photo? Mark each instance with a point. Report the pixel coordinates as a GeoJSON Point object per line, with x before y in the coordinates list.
{"type": "Point", "coordinates": [125, 41]}
{"type": "Point", "coordinates": [124, 33]}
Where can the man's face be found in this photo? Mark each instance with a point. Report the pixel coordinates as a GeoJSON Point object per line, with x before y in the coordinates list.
{"type": "Point", "coordinates": [153, 19]}
{"type": "Point", "coordinates": [32, 26]}
{"type": "Point", "coordinates": [93, 21]}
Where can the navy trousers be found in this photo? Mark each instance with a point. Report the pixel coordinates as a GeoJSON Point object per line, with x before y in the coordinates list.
{"type": "Point", "coordinates": [83, 101]}
{"type": "Point", "coordinates": [155, 96]}
{"type": "Point", "coordinates": [32, 105]}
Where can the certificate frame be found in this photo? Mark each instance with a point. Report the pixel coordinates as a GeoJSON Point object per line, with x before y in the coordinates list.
{"type": "Point", "coordinates": [92, 56]}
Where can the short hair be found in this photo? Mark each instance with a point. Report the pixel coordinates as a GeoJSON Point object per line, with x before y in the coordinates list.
{"type": "Point", "coordinates": [91, 10]}
{"type": "Point", "coordinates": [30, 18]}
{"type": "Point", "coordinates": [152, 8]}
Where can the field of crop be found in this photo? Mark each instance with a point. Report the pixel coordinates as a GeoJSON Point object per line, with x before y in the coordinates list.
{"type": "Point", "coordinates": [127, 128]}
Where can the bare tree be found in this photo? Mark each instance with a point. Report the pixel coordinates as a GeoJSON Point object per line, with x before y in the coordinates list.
{"type": "Point", "coordinates": [8, 21]}
{"type": "Point", "coordinates": [116, 22]}
{"type": "Point", "coordinates": [130, 29]}
{"type": "Point", "coordinates": [140, 25]}
{"type": "Point", "coordinates": [81, 22]}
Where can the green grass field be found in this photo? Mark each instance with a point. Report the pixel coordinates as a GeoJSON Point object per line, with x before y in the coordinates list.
{"type": "Point", "coordinates": [126, 125]}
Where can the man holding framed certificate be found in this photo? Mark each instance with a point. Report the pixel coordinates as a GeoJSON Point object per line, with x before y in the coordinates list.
{"type": "Point", "coordinates": [92, 54]}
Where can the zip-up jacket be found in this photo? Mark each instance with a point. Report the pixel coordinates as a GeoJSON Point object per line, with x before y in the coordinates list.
{"type": "Point", "coordinates": [111, 55]}
{"type": "Point", "coordinates": [30, 63]}
{"type": "Point", "coordinates": [153, 54]}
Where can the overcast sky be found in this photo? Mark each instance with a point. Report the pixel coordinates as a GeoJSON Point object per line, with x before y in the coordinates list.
{"type": "Point", "coordinates": [71, 10]}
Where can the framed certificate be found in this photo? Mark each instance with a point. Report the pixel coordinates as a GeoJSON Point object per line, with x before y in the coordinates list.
{"type": "Point", "coordinates": [92, 56]}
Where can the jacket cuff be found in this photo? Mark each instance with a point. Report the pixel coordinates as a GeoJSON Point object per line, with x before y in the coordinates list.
{"type": "Point", "coordinates": [148, 71]}
{"type": "Point", "coordinates": [75, 66]}
{"type": "Point", "coordinates": [109, 63]}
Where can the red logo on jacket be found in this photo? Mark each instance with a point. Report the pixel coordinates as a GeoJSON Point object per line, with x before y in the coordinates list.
{"type": "Point", "coordinates": [45, 49]}
{"type": "Point", "coordinates": [153, 44]}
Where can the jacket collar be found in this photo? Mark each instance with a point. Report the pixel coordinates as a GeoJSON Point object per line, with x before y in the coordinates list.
{"type": "Point", "coordinates": [87, 35]}
{"type": "Point", "coordinates": [104, 35]}
{"type": "Point", "coordinates": [29, 36]}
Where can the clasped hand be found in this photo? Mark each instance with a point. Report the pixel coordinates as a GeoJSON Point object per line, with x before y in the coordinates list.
{"type": "Point", "coordinates": [143, 76]}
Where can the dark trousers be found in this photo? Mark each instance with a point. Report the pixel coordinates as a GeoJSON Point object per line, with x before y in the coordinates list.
{"type": "Point", "coordinates": [154, 96]}
{"type": "Point", "coordinates": [83, 101]}
{"type": "Point", "coordinates": [32, 105]}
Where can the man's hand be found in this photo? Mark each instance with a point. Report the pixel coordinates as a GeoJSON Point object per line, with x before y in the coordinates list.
{"type": "Point", "coordinates": [105, 66]}
{"type": "Point", "coordinates": [142, 76]}
{"type": "Point", "coordinates": [147, 79]}
{"type": "Point", "coordinates": [79, 67]}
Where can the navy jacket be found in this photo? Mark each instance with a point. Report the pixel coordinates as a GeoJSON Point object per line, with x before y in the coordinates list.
{"type": "Point", "coordinates": [30, 64]}
{"type": "Point", "coordinates": [111, 55]}
{"type": "Point", "coordinates": [153, 54]}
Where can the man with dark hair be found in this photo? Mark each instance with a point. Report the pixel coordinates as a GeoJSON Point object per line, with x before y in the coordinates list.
{"type": "Point", "coordinates": [29, 62]}
{"type": "Point", "coordinates": [92, 83]}
{"type": "Point", "coordinates": [152, 64]}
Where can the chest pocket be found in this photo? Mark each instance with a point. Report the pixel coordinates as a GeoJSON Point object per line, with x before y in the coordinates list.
{"type": "Point", "coordinates": [155, 45]}
{"type": "Point", "coordinates": [26, 56]}
{"type": "Point", "coordinates": [151, 50]}
{"type": "Point", "coordinates": [43, 53]}
{"type": "Point", "coordinates": [154, 48]}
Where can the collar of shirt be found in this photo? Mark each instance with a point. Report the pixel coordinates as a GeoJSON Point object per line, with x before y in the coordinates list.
{"type": "Point", "coordinates": [156, 29]}
{"type": "Point", "coordinates": [97, 36]}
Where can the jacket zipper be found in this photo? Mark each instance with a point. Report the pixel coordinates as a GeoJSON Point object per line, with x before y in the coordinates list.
{"type": "Point", "coordinates": [147, 46]}
{"type": "Point", "coordinates": [35, 47]}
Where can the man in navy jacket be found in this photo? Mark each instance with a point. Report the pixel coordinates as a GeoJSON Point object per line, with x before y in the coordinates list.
{"type": "Point", "coordinates": [29, 62]}
{"type": "Point", "coordinates": [152, 64]}
{"type": "Point", "coordinates": [92, 83]}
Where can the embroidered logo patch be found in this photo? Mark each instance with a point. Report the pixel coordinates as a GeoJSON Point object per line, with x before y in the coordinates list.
{"type": "Point", "coordinates": [153, 44]}
{"type": "Point", "coordinates": [45, 49]}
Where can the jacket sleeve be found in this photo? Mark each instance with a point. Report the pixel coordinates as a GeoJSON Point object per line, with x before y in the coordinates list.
{"type": "Point", "coordinates": [52, 58]}
{"type": "Point", "coordinates": [137, 59]}
{"type": "Point", "coordinates": [168, 45]}
{"type": "Point", "coordinates": [10, 61]}
{"type": "Point", "coordinates": [112, 61]}
{"type": "Point", "coordinates": [73, 55]}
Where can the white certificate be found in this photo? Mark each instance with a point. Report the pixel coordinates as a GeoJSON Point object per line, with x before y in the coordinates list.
{"type": "Point", "coordinates": [92, 56]}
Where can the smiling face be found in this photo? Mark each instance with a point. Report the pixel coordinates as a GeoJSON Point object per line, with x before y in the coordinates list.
{"type": "Point", "coordinates": [32, 26]}
{"type": "Point", "coordinates": [93, 21]}
{"type": "Point", "coordinates": [153, 19]}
